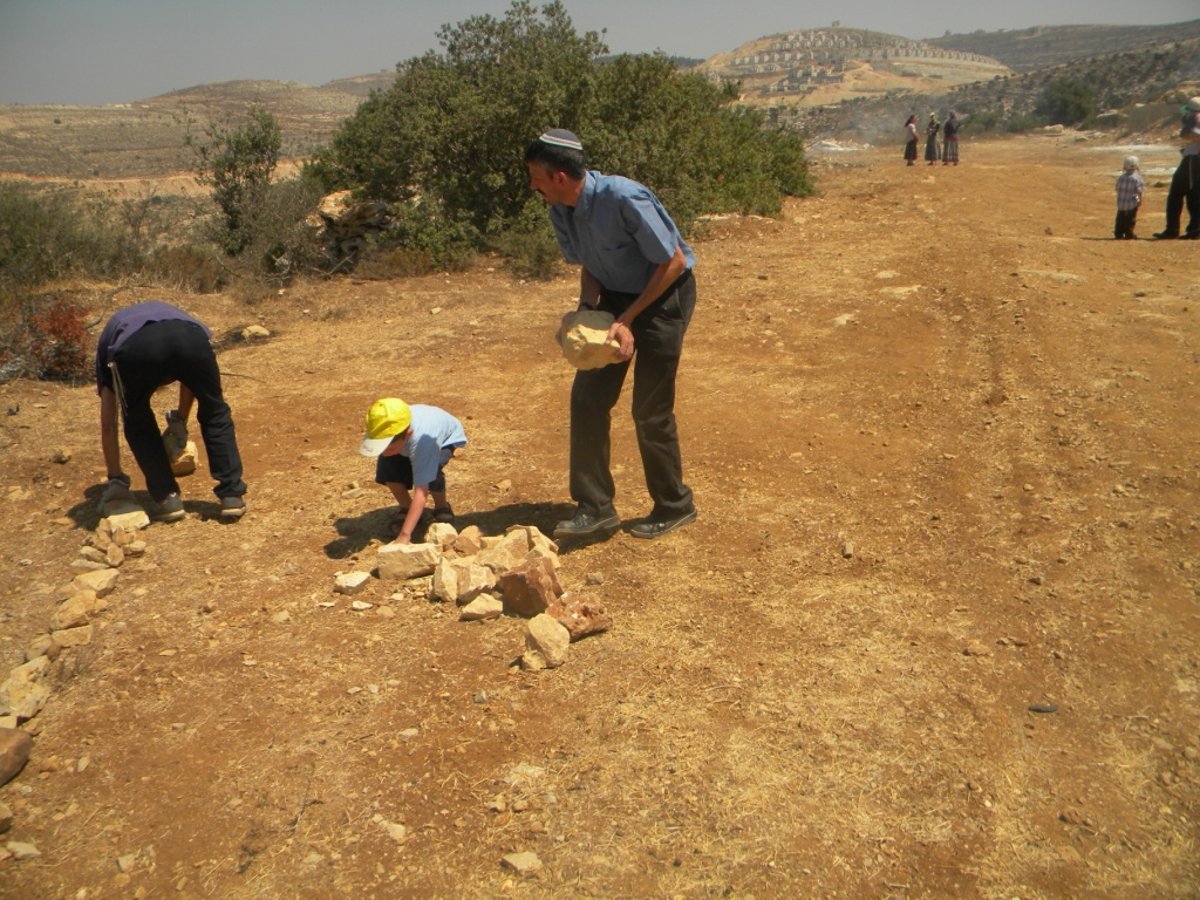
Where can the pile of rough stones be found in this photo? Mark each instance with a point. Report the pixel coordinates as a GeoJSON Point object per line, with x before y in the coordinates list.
{"type": "Point", "coordinates": [26, 689]}
{"type": "Point", "coordinates": [489, 576]}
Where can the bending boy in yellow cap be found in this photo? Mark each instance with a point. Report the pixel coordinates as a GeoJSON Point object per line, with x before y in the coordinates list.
{"type": "Point", "coordinates": [412, 445]}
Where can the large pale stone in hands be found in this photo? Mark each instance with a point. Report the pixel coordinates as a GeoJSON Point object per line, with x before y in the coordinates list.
{"type": "Point", "coordinates": [585, 341]}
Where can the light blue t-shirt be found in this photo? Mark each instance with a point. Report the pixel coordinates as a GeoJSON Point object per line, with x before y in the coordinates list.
{"type": "Point", "coordinates": [433, 430]}
{"type": "Point", "coordinates": [618, 231]}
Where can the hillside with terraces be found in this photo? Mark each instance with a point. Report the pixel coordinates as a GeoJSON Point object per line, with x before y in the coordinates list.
{"type": "Point", "coordinates": [817, 66]}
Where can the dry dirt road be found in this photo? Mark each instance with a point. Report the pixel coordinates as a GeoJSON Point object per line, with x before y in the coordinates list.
{"type": "Point", "coordinates": [941, 430]}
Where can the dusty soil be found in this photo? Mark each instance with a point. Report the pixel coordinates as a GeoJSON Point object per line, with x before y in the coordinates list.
{"type": "Point", "coordinates": [940, 429]}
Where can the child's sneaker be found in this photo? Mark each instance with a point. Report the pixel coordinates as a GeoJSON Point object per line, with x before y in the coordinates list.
{"type": "Point", "coordinates": [232, 508]}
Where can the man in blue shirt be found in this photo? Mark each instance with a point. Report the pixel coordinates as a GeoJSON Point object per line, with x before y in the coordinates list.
{"type": "Point", "coordinates": [635, 265]}
{"type": "Point", "coordinates": [141, 348]}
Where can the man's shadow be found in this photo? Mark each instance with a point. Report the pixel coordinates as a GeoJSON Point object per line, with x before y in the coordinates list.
{"type": "Point", "coordinates": [356, 532]}
{"type": "Point", "coordinates": [86, 513]}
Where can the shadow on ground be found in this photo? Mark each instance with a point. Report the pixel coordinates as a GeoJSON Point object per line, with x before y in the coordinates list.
{"type": "Point", "coordinates": [356, 532]}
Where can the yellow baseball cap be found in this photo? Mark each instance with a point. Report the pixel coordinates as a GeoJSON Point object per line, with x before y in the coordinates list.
{"type": "Point", "coordinates": [385, 419]}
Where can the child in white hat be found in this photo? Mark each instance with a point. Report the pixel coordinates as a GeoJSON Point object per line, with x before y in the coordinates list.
{"type": "Point", "coordinates": [1130, 188]}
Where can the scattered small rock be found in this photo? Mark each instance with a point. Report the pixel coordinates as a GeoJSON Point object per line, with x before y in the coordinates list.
{"type": "Point", "coordinates": [101, 581]}
{"type": "Point", "coordinates": [485, 606]}
{"type": "Point", "coordinates": [350, 582]}
{"type": "Point", "coordinates": [20, 850]}
{"type": "Point", "coordinates": [580, 614]}
{"type": "Point", "coordinates": [25, 691]}
{"type": "Point", "coordinates": [525, 863]}
{"type": "Point", "coordinates": [546, 643]}
{"type": "Point", "coordinates": [400, 562]}
{"type": "Point", "coordinates": [529, 587]}
{"type": "Point", "coordinates": [15, 746]}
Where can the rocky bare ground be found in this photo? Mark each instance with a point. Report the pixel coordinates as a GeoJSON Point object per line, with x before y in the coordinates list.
{"type": "Point", "coordinates": [934, 631]}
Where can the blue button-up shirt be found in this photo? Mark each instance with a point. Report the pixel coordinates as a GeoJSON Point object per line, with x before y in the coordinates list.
{"type": "Point", "coordinates": [618, 231]}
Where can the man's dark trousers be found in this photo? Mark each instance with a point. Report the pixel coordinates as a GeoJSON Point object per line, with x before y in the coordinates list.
{"type": "Point", "coordinates": [658, 341]}
{"type": "Point", "coordinates": [159, 353]}
{"type": "Point", "coordinates": [1185, 185]}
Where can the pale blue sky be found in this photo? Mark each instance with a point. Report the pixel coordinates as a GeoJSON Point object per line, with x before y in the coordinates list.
{"type": "Point", "coordinates": [114, 51]}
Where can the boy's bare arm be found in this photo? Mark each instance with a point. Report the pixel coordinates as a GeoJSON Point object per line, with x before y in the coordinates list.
{"type": "Point", "coordinates": [419, 495]}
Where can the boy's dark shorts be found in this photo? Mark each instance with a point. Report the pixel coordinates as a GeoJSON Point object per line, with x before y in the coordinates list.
{"type": "Point", "coordinates": [398, 470]}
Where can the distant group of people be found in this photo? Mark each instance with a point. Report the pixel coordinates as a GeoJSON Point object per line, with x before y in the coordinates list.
{"type": "Point", "coordinates": [945, 150]}
{"type": "Point", "coordinates": [633, 264]}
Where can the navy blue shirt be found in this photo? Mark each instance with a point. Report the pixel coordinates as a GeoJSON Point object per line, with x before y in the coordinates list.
{"type": "Point", "coordinates": [618, 231]}
{"type": "Point", "coordinates": [127, 322]}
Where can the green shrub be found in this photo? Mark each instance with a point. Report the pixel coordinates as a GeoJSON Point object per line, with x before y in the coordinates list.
{"type": "Point", "coordinates": [453, 128]}
{"type": "Point", "coordinates": [237, 162]}
{"type": "Point", "coordinates": [1066, 101]}
{"type": "Point", "coordinates": [446, 239]}
{"type": "Point", "coordinates": [1024, 122]}
{"type": "Point", "coordinates": [281, 243]}
{"type": "Point", "coordinates": [187, 267]}
{"type": "Point", "coordinates": [46, 235]}
{"type": "Point", "coordinates": [528, 245]}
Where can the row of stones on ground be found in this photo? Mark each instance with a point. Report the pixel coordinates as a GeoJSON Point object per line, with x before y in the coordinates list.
{"type": "Point", "coordinates": [487, 576]}
{"type": "Point", "coordinates": [521, 566]}
{"type": "Point", "coordinates": [26, 689]}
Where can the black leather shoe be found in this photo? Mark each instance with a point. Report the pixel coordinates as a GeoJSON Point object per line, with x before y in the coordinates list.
{"type": "Point", "coordinates": [586, 523]}
{"type": "Point", "coordinates": [1166, 235]}
{"type": "Point", "coordinates": [1190, 236]}
{"type": "Point", "coordinates": [653, 528]}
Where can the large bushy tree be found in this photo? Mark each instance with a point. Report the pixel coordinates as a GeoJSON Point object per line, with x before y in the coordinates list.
{"type": "Point", "coordinates": [452, 129]}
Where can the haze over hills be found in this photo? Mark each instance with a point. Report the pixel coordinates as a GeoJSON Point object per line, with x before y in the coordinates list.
{"type": "Point", "coordinates": [821, 80]}
{"type": "Point", "coordinates": [1033, 48]}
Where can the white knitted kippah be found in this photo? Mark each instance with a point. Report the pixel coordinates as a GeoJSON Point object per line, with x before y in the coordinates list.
{"type": "Point", "coordinates": [560, 137]}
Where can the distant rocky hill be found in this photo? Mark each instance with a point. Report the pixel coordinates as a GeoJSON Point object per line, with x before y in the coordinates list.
{"type": "Point", "coordinates": [146, 138]}
{"type": "Point", "coordinates": [1136, 92]}
{"type": "Point", "coordinates": [824, 65]}
{"type": "Point", "coordinates": [1027, 49]}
